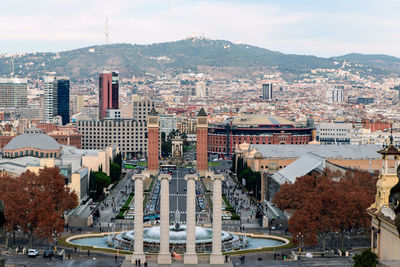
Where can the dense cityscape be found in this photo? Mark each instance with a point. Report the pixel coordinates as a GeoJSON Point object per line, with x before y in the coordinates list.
{"type": "Point", "coordinates": [199, 152]}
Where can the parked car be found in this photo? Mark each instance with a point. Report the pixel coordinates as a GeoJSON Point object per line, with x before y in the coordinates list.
{"type": "Point", "coordinates": [33, 253]}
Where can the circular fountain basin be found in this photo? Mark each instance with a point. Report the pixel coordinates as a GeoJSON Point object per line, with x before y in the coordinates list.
{"type": "Point", "coordinates": [151, 240]}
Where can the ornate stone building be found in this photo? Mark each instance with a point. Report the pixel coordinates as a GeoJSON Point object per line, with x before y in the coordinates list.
{"type": "Point", "coordinates": [385, 240]}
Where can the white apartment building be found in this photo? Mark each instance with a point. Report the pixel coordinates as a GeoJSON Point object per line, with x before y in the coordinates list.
{"type": "Point", "coordinates": [128, 134]}
{"type": "Point", "coordinates": [334, 133]}
{"type": "Point", "coordinates": [141, 107]}
{"type": "Point", "coordinates": [334, 95]}
{"type": "Point", "coordinates": [168, 122]}
{"type": "Point", "coordinates": [365, 137]}
{"type": "Point", "coordinates": [201, 89]}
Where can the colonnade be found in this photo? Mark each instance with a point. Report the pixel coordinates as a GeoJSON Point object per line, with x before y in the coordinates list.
{"type": "Point", "coordinates": [190, 256]}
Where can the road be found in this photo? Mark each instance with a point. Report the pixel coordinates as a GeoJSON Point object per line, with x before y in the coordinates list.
{"type": "Point", "coordinates": [177, 196]}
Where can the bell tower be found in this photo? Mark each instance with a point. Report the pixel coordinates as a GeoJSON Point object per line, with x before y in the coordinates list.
{"type": "Point", "coordinates": [153, 145]}
{"type": "Point", "coordinates": [202, 144]}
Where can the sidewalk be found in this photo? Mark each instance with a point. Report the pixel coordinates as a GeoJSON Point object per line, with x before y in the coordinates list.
{"type": "Point", "coordinates": [247, 212]}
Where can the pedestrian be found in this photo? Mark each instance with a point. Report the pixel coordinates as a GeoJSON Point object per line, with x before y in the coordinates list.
{"type": "Point", "coordinates": [88, 253]}
{"type": "Point", "coordinates": [69, 256]}
{"type": "Point", "coordinates": [145, 264]}
{"type": "Point", "coordinates": [116, 258]}
{"type": "Point", "coordinates": [49, 257]}
{"type": "Point", "coordinates": [62, 257]}
{"type": "Point", "coordinates": [243, 258]}
{"type": "Point", "coordinates": [136, 262]}
{"type": "Point", "coordinates": [139, 262]}
{"type": "Point", "coordinates": [75, 249]}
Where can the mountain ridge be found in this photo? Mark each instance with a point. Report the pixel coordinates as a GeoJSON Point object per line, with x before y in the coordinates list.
{"type": "Point", "coordinates": [184, 56]}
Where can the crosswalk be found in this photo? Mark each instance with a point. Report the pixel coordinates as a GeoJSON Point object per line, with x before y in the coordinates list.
{"type": "Point", "coordinates": [177, 195]}
{"type": "Point", "coordinates": [181, 212]}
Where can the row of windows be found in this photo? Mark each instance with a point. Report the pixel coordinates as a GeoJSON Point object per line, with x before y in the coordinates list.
{"type": "Point", "coordinates": [111, 123]}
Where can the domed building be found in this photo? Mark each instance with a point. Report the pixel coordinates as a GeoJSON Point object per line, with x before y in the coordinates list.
{"type": "Point", "coordinates": [32, 143]}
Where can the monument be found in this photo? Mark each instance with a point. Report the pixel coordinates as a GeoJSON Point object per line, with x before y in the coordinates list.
{"type": "Point", "coordinates": [177, 151]}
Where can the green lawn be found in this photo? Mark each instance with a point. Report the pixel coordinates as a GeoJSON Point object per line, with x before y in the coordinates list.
{"type": "Point", "coordinates": [213, 163]}
{"type": "Point", "coordinates": [141, 163]}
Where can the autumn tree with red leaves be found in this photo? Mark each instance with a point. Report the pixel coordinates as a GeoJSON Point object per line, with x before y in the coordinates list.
{"type": "Point", "coordinates": [36, 202]}
{"type": "Point", "coordinates": [322, 203]}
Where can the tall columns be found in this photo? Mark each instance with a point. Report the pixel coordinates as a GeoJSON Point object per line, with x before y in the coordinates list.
{"type": "Point", "coordinates": [164, 257]}
{"type": "Point", "coordinates": [138, 219]}
{"type": "Point", "coordinates": [216, 255]}
{"type": "Point", "coordinates": [190, 256]}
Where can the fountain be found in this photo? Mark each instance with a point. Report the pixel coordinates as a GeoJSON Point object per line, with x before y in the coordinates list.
{"type": "Point", "coordinates": [177, 240]}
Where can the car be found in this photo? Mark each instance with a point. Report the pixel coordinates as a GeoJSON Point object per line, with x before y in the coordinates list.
{"type": "Point", "coordinates": [33, 253]}
{"type": "Point", "coordinates": [48, 253]}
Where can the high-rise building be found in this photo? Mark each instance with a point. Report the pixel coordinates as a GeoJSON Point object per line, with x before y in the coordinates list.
{"type": "Point", "coordinates": [56, 98]}
{"type": "Point", "coordinates": [13, 92]}
{"type": "Point", "coordinates": [335, 95]}
{"type": "Point", "coordinates": [267, 91]}
{"type": "Point", "coordinates": [201, 89]}
{"type": "Point", "coordinates": [62, 110]}
{"type": "Point", "coordinates": [79, 102]}
{"type": "Point", "coordinates": [108, 92]}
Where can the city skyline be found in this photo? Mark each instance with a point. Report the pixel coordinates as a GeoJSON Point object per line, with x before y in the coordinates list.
{"type": "Point", "coordinates": [308, 27]}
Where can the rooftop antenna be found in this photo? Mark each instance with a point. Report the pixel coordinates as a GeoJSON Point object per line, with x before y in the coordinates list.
{"type": "Point", "coordinates": [106, 30]}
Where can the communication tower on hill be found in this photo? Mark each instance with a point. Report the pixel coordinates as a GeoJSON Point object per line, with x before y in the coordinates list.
{"type": "Point", "coordinates": [106, 30]}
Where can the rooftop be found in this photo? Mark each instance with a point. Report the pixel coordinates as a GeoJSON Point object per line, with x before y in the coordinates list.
{"type": "Point", "coordinates": [305, 164]}
{"type": "Point", "coordinates": [36, 140]}
{"type": "Point", "coordinates": [259, 119]}
{"type": "Point", "coordinates": [325, 151]}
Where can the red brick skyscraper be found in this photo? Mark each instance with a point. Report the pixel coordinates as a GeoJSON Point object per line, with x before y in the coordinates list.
{"type": "Point", "coordinates": [202, 136]}
{"type": "Point", "coordinates": [108, 92]}
{"type": "Point", "coordinates": [153, 142]}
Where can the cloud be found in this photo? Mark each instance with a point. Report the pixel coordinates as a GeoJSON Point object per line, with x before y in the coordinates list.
{"type": "Point", "coordinates": [308, 27]}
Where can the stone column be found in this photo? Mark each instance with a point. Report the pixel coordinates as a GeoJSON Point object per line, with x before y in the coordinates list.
{"type": "Point", "coordinates": [164, 256]}
{"type": "Point", "coordinates": [190, 256]}
{"type": "Point", "coordinates": [216, 256]}
{"type": "Point", "coordinates": [138, 219]}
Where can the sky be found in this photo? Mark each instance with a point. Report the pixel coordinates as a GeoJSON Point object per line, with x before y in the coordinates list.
{"type": "Point", "coordinates": [313, 27]}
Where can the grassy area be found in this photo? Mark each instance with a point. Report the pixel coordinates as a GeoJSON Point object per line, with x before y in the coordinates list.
{"type": "Point", "coordinates": [213, 163]}
{"type": "Point", "coordinates": [141, 163]}
{"type": "Point", "coordinates": [125, 207]}
{"type": "Point", "coordinates": [230, 209]}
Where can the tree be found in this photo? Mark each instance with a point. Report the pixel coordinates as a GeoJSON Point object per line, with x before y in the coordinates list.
{"type": "Point", "coordinates": [366, 259]}
{"type": "Point", "coordinates": [36, 202]}
{"type": "Point", "coordinates": [118, 159]}
{"type": "Point", "coordinates": [326, 202]}
{"type": "Point", "coordinates": [101, 181]}
{"type": "Point", "coordinates": [115, 172]}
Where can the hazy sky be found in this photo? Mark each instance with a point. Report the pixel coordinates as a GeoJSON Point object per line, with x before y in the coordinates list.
{"type": "Point", "coordinates": [318, 27]}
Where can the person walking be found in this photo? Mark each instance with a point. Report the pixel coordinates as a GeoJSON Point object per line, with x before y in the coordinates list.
{"type": "Point", "coordinates": [116, 258]}
{"type": "Point", "coordinates": [88, 253]}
